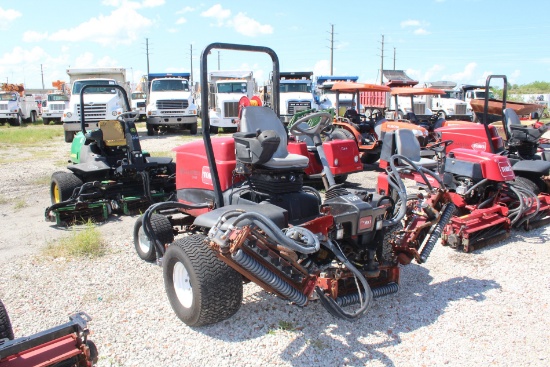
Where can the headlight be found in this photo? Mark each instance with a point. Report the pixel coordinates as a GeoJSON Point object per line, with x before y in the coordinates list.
{"type": "Point", "coordinates": [192, 112]}
{"type": "Point", "coordinates": [114, 113]}
{"type": "Point", "coordinates": [336, 162]}
{"type": "Point", "coordinates": [356, 159]}
{"type": "Point", "coordinates": [69, 114]}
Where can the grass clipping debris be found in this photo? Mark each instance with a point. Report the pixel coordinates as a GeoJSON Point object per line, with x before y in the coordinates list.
{"type": "Point", "coordinates": [85, 242]}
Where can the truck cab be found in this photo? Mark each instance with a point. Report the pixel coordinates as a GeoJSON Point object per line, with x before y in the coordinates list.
{"type": "Point", "coordinates": [226, 88]}
{"type": "Point", "coordinates": [296, 94]}
{"type": "Point", "coordinates": [171, 103]}
{"type": "Point", "coordinates": [325, 97]}
{"type": "Point", "coordinates": [100, 103]}
{"type": "Point", "coordinates": [14, 108]}
{"type": "Point", "coordinates": [53, 107]}
{"type": "Point", "coordinates": [139, 101]}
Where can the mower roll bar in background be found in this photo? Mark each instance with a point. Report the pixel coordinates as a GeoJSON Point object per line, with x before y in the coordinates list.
{"type": "Point", "coordinates": [218, 195]}
{"type": "Point", "coordinates": [116, 86]}
{"type": "Point", "coordinates": [485, 120]}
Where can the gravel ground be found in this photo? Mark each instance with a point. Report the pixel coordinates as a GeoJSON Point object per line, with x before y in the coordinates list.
{"type": "Point", "coordinates": [484, 308]}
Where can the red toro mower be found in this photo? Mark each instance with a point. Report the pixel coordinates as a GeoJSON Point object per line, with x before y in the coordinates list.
{"type": "Point", "coordinates": [65, 345]}
{"type": "Point", "coordinates": [366, 131]}
{"type": "Point", "coordinates": [246, 216]}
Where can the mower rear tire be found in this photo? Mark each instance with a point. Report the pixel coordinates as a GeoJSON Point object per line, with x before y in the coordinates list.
{"type": "Point", "coordinates": [69, 136]}
{"type": "Point", "coordinates": [6, 330]}
{"type": "Point", "coordinates": [340, 179]}
{"type": "Point", "coordinates": [369, 158]}
{"type": "Point", "coordinates": [163, 231]}
{"type": "Point", "coordinates": [63, 185]}
{"type": "Point", "coordinates": [529, 184]}
{"type": "Point", "coordinates": [341, 134]}
{"type": "Point", "coordinates": [201, 288]}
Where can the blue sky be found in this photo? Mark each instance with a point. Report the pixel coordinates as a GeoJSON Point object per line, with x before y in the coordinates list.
{"type": "Point", "coordinates": [458, 40]}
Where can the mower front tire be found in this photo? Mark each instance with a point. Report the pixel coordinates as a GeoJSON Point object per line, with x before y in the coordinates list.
{"type": "Point", "coordinates": [162, 229]}
{"type": "Point", "coordinates": [6, 330]}
{"type": "Point", "coordinates": [201, 288]}
{"type": "Point", "coordinates": [63, 185]}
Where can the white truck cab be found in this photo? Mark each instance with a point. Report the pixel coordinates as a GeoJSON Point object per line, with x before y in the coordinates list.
{"type": "Point", "coordinates": [53, 107]}
{"type": "Point", "coordinates": [326, 98]}
{"type": "Point", "coordinates": [139, 101]}
{"type": "Point", "coordinates": [448, 105]}
{"type": "Point", "coordinates": [170, 103]}
{"type": "Point", "coordinates": [226, 89]}
{"type": "Point", "coordinates": [296, 94]}
{"type": "Point", "coordinates": [15, 108]}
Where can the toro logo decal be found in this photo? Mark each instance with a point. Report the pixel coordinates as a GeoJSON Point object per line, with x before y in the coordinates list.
{"type": "Point", "coordinates": [506, 170]}
{"type": "Point", "coordinates": [479, 146]}
{"type": "Point", "coordinates": [365, 223]}
{"type": "Point", "coordinates": [206, 176]}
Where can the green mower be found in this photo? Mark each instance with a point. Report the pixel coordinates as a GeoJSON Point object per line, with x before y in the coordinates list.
{"type": "Point", "coordinates": [109, 172]}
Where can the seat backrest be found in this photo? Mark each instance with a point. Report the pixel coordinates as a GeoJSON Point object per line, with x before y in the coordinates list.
{"type": "Point", "coordinates": [263, 118]}
{"type": "Point", "coordinates": [511, 118]}
{"type": "Point", "coordinates": [407, 144]}
{"type": "Point", "coordinates": [378, 127]}
{"type": "Point", "coordinates": [113, 133]}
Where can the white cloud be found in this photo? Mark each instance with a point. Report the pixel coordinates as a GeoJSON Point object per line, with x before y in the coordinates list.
{"type": "Point", "coordinates": [133, 4]}
{"type": "Point", "coordinates": [250, 27]}
{"type": "Point", "coordinates": [217, 12]}
{"type": "Point", "coordinates": [240, 22]}
{"type": "Point", "coordinates": [410, 23]}
{"type": "Point", "coordinates": [7, 16]}
{"type": "Point", "coordinates": [152, 3]}
{"type": "Point", "coordinates": [32, 36]}
{"type": "Point", "coordinates": [187, 9]}
{"type": "Point", "coordinates": [464, 76]}
{"type": "Point", "coordinates": [87, 60]}
{"type": "Point", "coordinates": [513, 77]}
{"type": "Point", "coordinates": [432, 73]}
{"type": "Point", "coordinates": [421, 32]}
{"type": "Point", "coordinates": [181, 20]}
{"type": "Point", "coordinates": [123, 26]}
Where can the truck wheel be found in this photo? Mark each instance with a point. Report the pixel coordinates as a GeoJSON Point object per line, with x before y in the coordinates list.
{"type": "Point", "coordinates": [193, 129]}
{"type": "Point", "coordinates": [69, 136]}
{"type": "Point", "coordinates": [201, 288]}
{"type": "Point", "coordinates": [150, 129]}
{"type": "Point", "coordinates": [442, 115]}
{"type": "Point", "coordinates": [163, 230]}
{"type": "Point", "coordinates": [368, 113]}
{"type": "Point", "coordinates": [33, 117]}
{"type": "Point", "coordinates": [6, 331]}
{"type": "Point", "coordinates": [213, 129]}
{"type": "Point", "coordinates": [18, 121]}
{"type": "Point", "coordinates": [45, 121]}
{"type": "Point", "coordinates": [63, 185]}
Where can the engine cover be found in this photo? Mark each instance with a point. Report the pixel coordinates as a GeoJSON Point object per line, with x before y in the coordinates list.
{"type": "Point", "coordinates": [350, 209]}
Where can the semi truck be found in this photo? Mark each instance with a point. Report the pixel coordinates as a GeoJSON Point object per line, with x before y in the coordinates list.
{"type": "Point", "coordinates": [100, 103]}
{"type": "Point", "coordinates": [139, 102]}
{"type": "Point", "coordinates": [16, 106]}
{"type": "Point", "coordinates": [170, 103]}
{"type": "Point", "coordinates": [226, 88]}
{"type": "Point", "coordinates": [296, 94]}
{"type": "Point", "coordinates": [447, 105]}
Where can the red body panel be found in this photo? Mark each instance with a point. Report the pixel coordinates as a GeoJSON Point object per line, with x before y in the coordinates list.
{"type": "Point", "coordinates": [471, 136]}
{"type": "Point", "coordinates": [493, 166]}
{"type": "Point", "coordinates": [192, 169]}
{"type": "Point", "coordinates": [347, 154]}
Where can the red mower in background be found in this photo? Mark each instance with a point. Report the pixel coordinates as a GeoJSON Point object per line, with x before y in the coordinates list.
{"type": "Point", "coordinates": [488, 199]}
{"type": "Point", "coordinates": [366, 131]}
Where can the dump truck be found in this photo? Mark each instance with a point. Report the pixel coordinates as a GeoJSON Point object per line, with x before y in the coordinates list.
{"type": "Point", "coordinates": [170, 103]}
{"type": "Point", "coordinates": [100, 103]}
{"type": "Point", "coordinates": [447, 105]}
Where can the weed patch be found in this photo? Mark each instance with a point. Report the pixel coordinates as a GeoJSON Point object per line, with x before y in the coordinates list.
{"type": "Point", "coordinates": [86, 242]}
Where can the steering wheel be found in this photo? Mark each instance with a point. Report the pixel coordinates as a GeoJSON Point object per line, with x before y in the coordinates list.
{"type": "Point", "coordinates": [440, 146]}
{"type": "Point", "coordinates": [127, 114]}
{"type": "Point", "coordinates": [302, 127]}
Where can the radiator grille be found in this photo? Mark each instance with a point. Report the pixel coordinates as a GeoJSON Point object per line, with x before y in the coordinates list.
{"type": "Point", "coordinates": [93, 112]}
{"type": "Point", "coordinates": [56, 107]}
{"type": "Point", "coordinates": [230, 109]}
{"type": "Point", "coordinates": [172, 104]}
{"type": "Point", "coordinates": [3, 106]}
{"type": "Point", "coordinates": [419, 108]}
{"type": "Point", "coordinates": [295, 106]}
{"type": "Point", "coordinates": [460, 109]}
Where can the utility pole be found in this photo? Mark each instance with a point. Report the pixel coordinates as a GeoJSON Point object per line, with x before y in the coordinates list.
{"type": "Point", "coordinates": [218, 60]}
{"type": "Point", "coordinates": [331, 48]}
{"type": "Point", "coordinates": [42, 72]}
{"type": "Point", "coordinates": [191, 59]}
{"type": "Point", "coordinates": [147, 51]}
{"type": "Point", "coordinates": [394, 58]}
{"type": "Point", "coordinates": [382, 63]}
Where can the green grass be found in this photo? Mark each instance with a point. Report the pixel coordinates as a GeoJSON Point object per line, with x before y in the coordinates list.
{"type": "Point", "coordinates": [29, 135]}
{"type": "Point", "coordinates": [19, 204]}
{"type": "Point", "coordinates": [86, 242]}
{"type": "Point", "coordinates": [3, 200]}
